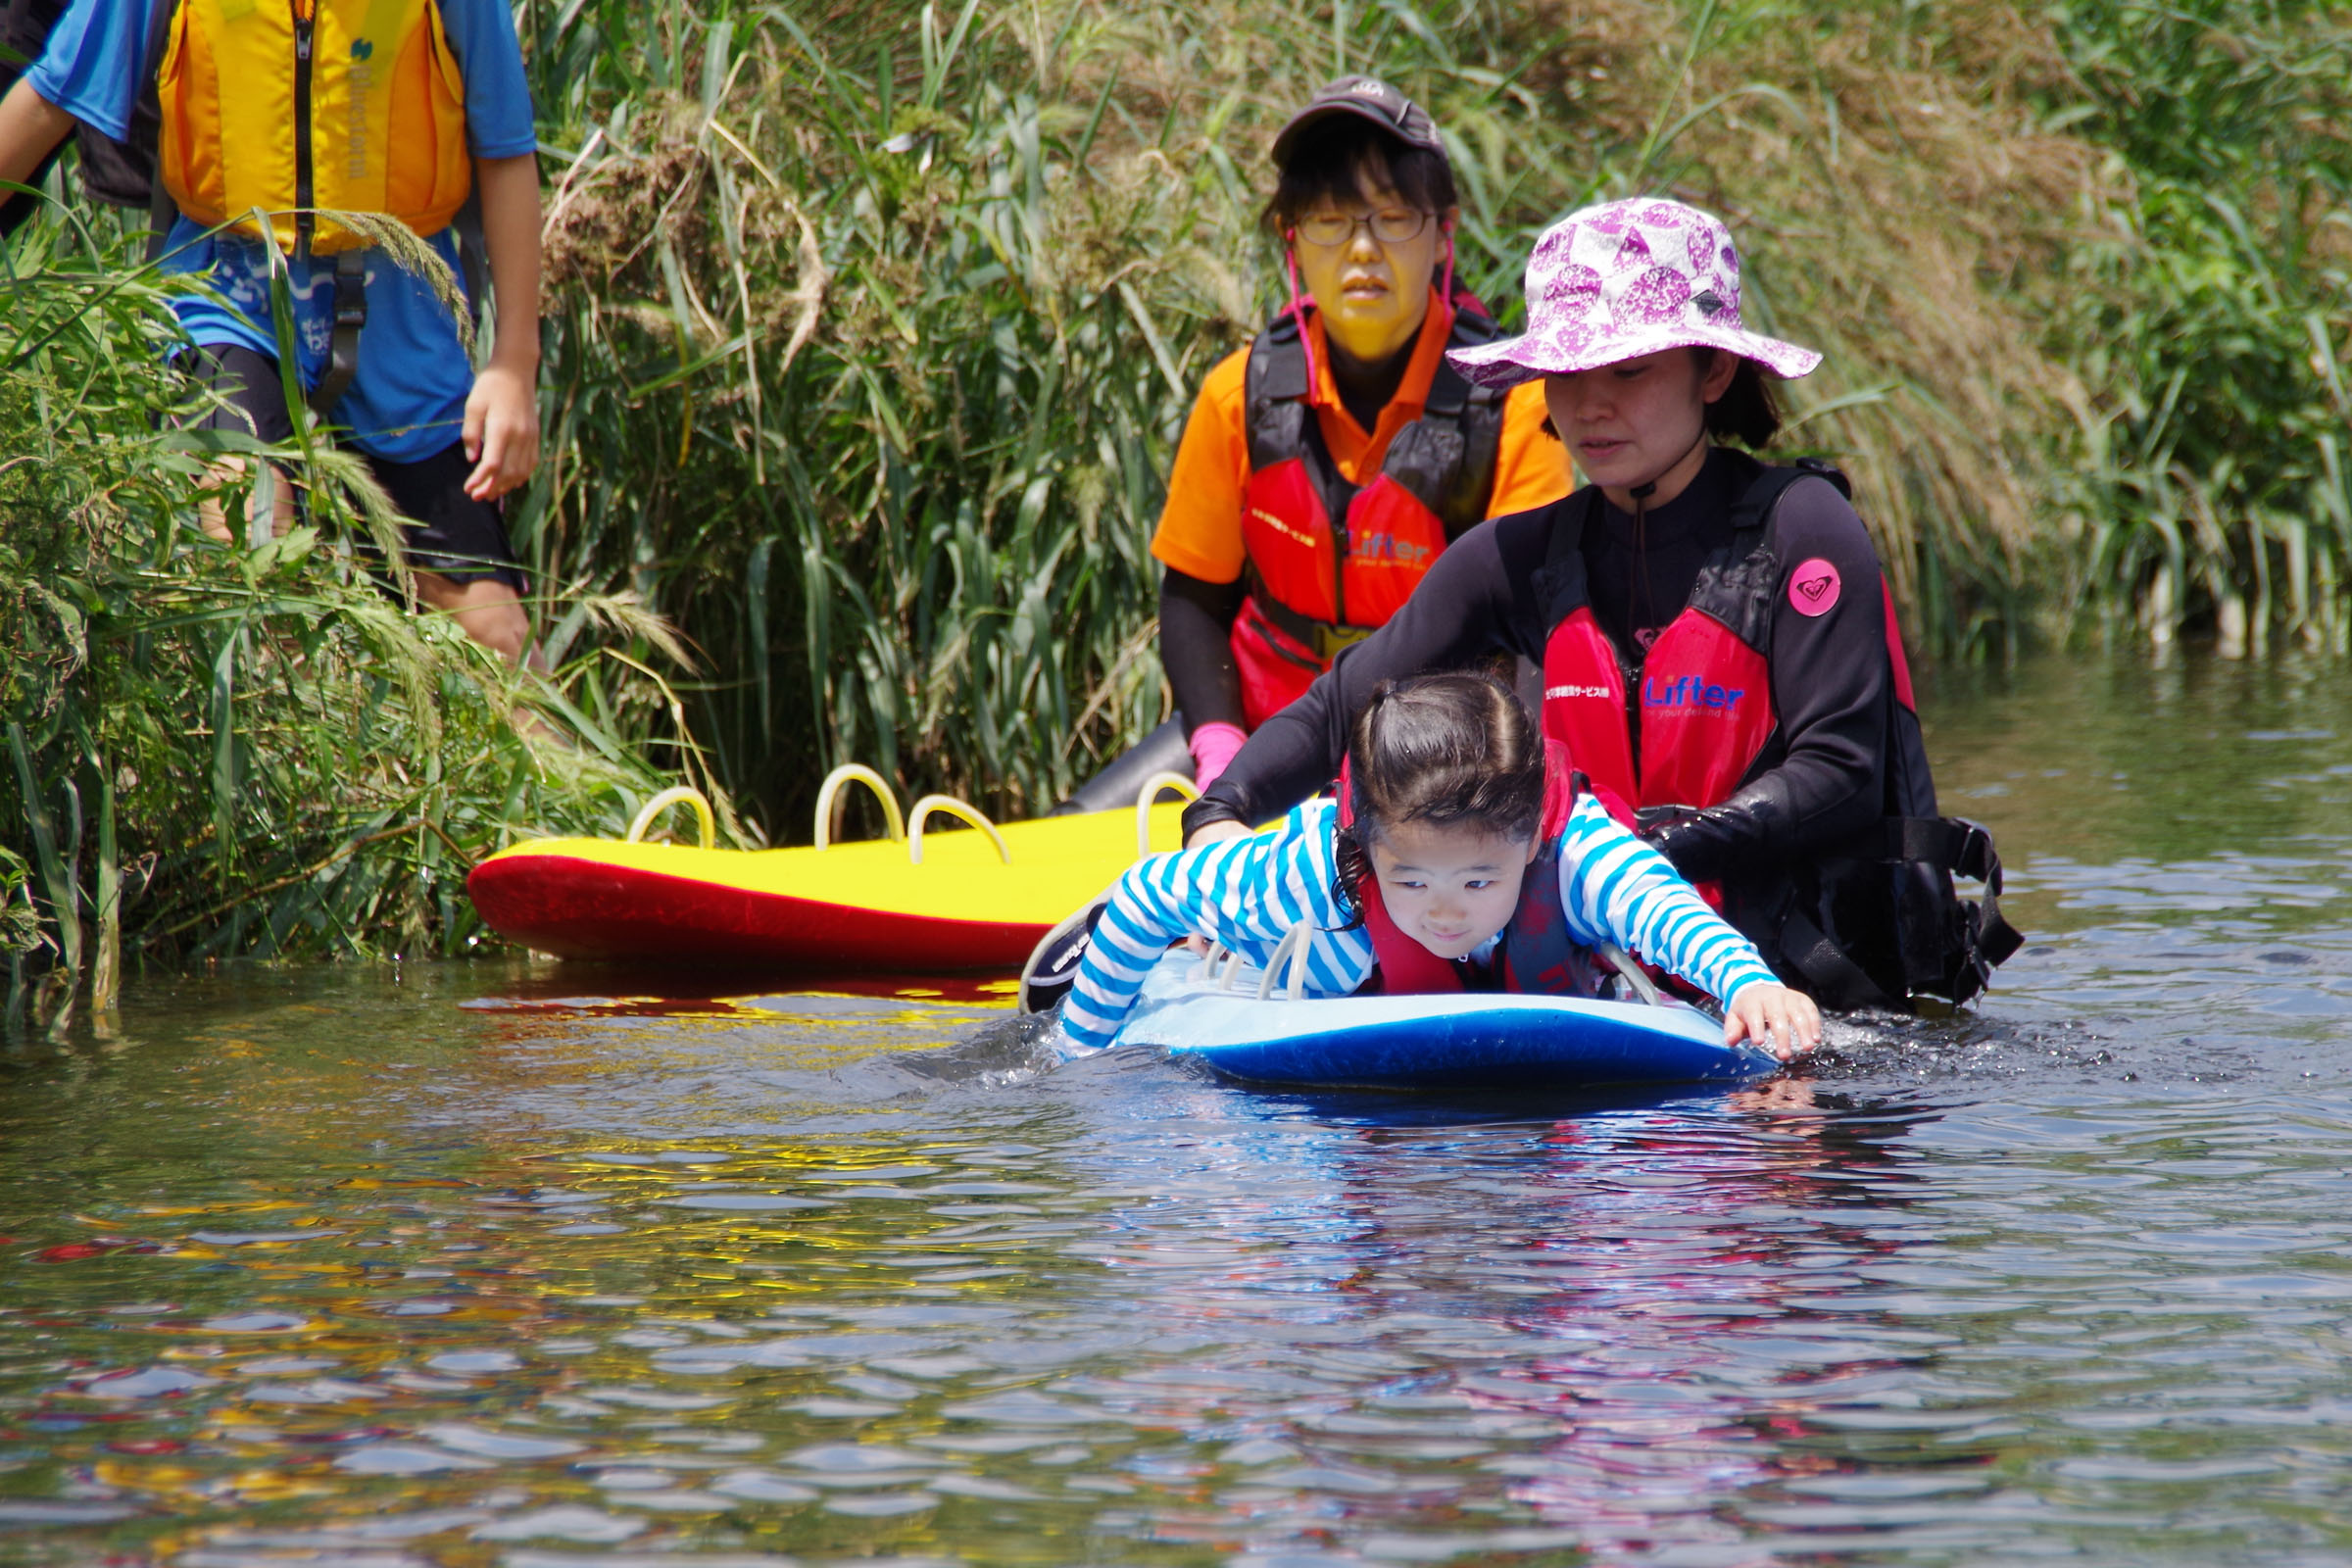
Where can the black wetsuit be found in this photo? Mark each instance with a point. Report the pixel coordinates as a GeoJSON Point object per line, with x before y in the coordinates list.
{"type": "Point", "coordinates": [1195, 646]}
{"type": "Point", "coordinates": [1830, 674]}
{"type": "Point", "coordinates": [1833, 773]}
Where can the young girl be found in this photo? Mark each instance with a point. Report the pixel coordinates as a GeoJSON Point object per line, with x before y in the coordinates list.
{"type": "Point", "coordinates": [1440, 877]}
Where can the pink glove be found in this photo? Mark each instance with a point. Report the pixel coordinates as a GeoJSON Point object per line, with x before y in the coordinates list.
{"type": "Point", "coordinates": [1213, 748]}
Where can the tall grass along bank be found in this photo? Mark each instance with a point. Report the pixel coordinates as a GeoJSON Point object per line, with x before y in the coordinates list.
{"type": "Point", "coordinates": [875, 329]}
{"type": "Point", "coordinates": [215, 751]}
{"type": "Point", "coordinates": [871, 330]}
{"type": "Point", "coordinates": [2208, 308]}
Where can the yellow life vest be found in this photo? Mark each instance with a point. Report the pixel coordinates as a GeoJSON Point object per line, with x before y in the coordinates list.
{"type": "Point", "coordinates": [302, 106]}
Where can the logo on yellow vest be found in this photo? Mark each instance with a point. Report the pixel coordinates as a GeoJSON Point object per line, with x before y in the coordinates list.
{"type": "Point", "coordinates": [355, 120]}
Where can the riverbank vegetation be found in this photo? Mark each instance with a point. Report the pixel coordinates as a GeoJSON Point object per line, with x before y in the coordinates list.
{"type": "Point", "coordinates": [871, 330]}
{"type": "Point", "coordinates": [215, 751]}
{"type": "Point", "coordinates": [877, 328]}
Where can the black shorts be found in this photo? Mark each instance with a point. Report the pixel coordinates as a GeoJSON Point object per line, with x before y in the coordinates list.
{"type": "Point", "coordinates": [447, 531]}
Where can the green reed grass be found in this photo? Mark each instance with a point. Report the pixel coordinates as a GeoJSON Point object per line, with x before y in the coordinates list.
{"type": "Point", "coordinates": [872, 330]}
{"type": "Point", "coordinates": [878, 328]}
{"type": "Point", "coordinates": [2210, 305]}
{"type": "Point", "coordinates": [871, 397]}
{"type": "Point", "coordinates": [219, 751]}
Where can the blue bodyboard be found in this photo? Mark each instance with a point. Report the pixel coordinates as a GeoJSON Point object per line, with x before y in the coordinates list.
{"type": "Point", "coordinates": [1478, 1040]}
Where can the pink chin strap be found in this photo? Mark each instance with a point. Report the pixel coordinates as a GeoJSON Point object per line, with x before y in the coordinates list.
{"type": "Point", "coordinates": [1296, 307]}
{"type": "Point", "coordinates": [1446, 289]}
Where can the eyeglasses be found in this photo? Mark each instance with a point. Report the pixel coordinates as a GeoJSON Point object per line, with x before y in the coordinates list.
{"type": "Point", "coordinates": [1390, 225]}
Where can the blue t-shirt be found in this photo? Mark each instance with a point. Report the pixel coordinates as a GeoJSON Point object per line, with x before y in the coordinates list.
{"type": "Point", "coordinates": [409, 399]}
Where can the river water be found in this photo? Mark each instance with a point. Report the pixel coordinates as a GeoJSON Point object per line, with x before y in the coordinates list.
{"type": "Point", "coordinates": [478, 1264]}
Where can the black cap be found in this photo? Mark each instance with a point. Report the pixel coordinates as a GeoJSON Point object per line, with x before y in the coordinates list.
{"type": "Point", "coordinates": [1366, 98]}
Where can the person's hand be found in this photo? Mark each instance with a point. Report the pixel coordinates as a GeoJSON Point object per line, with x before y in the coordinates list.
{"type": "Point", "coordinates": [502, 432]}
{"type": "Point", "coordinates": [1783, 1021]}
{"type": "Point", "coordinates": [1212, 832]}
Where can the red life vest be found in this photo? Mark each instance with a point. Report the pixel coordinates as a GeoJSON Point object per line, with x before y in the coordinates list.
{"type": "Point", "coordinates": [1536, 953]}
{"type": "Point", "coordinates": [1330, 560]}
{"type": "Point", "coordinates": [1686, 724]}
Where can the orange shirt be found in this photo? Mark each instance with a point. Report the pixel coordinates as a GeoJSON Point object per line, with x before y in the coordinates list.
{"type": "Point", "coordinates": [1200, 526]}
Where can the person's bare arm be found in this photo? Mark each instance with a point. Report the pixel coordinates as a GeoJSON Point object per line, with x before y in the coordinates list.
{"type": "Point", "coordinates": [502, 413]}
{"type": "Point", "coordinates": [30, 127]}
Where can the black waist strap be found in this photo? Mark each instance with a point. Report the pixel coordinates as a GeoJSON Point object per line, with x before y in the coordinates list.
{"type": "Point", "coordinates": [1954, 843]}
{"type": "Point", "coordinates": [1323, 638]}
{"type": "Point", "coordinates": [1963, 848]}
{"type": "Point", "coordinates": [343, 347]}
{"type": "Point", "coordinates": [1980, 938]}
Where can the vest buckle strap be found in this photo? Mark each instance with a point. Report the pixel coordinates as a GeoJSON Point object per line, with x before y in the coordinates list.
{"type": "Point", "coordinates": [1323, 638]}
{"type": "Point", "coordinates": [1330, 639]}
{"type": "Point", "coordinates": [343, 349]}
{"type": "Point", "coordinates": [351, 289]}
{"type": "Point", "coordinates": [1953, 843]}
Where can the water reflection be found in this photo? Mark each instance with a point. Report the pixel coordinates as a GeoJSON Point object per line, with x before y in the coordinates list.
{"type": "Point", "coordinates": [485, 1265]}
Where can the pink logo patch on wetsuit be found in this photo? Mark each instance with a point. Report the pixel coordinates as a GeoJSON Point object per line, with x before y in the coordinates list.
{"type": "Point", "coordinates": [1813, 588]}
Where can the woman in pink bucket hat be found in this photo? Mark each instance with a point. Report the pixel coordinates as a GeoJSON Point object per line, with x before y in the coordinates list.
{"type": "Point", "coordinates": [1720, 661]}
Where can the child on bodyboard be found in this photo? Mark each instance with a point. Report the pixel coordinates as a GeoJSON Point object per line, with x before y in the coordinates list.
{"type": "Point", "coordinates": [1435, 871]}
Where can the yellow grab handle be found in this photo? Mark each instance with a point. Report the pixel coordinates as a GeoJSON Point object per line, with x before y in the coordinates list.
{"type": "Point", "coordinates": [1150, 793]}
{"type": "Point", "coordinates": [856, 773]}
{"type": "Point", "coordinates": [954, 807]}
{"type": "Point", "coordinates": [682, 794]}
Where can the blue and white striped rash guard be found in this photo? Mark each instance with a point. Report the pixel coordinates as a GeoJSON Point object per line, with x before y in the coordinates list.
{"type": "Point", "coordinates": [1249, 892]}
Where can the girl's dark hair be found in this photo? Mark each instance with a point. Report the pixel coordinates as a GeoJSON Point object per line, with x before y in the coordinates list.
{"type": "Point", "coordinates": [1447, 749]}
{"type": "Point", "coordinates": [1337, 158]}
{"type": "Point", "coordinates": [1747, 412]}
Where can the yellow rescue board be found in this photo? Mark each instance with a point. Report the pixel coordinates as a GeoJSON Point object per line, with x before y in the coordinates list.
{"type": "Point", "coordinates": [978, 898]}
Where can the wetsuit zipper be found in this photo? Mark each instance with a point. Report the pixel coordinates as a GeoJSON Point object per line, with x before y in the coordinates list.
{"type": "Point", "coordinates": [1634, 663]}
{"type": "Point", "coordinates": [1339, 564]}
{"type": "Point", "coordinates": [306, 222]}
{"type": "Point", "coordinates": [1630, 668]}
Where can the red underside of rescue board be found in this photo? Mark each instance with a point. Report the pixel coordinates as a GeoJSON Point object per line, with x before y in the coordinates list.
{"type": "Point", "coordinates": [583, 909]}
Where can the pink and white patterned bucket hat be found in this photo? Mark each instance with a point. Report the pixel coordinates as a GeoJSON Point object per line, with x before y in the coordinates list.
{"type": "Point", "coordinates": [1626, 278]}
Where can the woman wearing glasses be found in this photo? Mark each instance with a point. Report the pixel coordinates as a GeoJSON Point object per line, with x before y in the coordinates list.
{"type": "Point", "coordinates": [1326, 464]}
